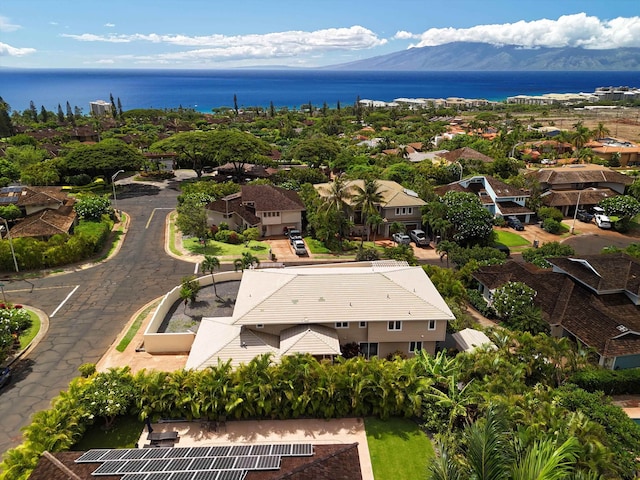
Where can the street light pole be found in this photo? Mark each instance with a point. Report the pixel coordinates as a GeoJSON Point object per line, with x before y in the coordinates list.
{"type": "Point", "coordinates": [113, 184]}
{"type": "Point", "coordinates": [575, 214]}
{"type": "Point", "coordinates": [13, 252]}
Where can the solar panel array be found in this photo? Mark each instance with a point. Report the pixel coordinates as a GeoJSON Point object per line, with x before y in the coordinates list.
{"type": "Point", "coordinates": [221, 462]}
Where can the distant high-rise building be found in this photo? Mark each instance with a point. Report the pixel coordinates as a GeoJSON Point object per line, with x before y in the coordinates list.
{"type": "Point", "coordinates": [100, 107]}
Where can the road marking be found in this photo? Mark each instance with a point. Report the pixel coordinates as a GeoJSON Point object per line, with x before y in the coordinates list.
{"type": "Point", "coordinates": [64, 301]}
{"type": "Point", "coordinates": [153, 213]}
{"type": "Point", "coordinates": [195, 270]}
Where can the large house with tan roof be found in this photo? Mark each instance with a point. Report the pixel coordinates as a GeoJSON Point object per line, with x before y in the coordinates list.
{"type": "Point", "coordinates": [398, 204]}
{"type": "Point", "coordinates": [271, 209]}
{"type": "Point", "coordinates": [594, 299]}
{"type": "Point", "coordinates": [579, 186]}
{"type": "Point", "coordinates": [501, 199]}
{"type": "Point", "coordinates": [383, 307]}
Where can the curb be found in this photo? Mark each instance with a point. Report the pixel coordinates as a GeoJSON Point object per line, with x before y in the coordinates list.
{"type": "Point", "coordinates": [44, 328]}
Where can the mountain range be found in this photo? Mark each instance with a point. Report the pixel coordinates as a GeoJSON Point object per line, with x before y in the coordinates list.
{"type": "Point", "coordinates": [483, 56]}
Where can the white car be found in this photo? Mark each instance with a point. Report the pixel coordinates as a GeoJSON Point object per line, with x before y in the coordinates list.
{"type": "Point", "coordinates": [601, 219]}
{"type": "Point", "coordinates": [401, 238]}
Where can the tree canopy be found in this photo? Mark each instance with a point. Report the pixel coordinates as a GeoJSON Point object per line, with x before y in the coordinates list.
{"type": "Point", "coordinates": [104, 158]}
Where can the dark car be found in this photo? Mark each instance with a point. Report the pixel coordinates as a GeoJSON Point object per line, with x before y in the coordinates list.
{"type": "Point", "coordinates": [584, 216]}
{"type": "Point", "coordinates": [294, 234]}
{"type": "Point", "coordinates": [5, 376]}
{"type": "Point", "coordinates": [515, 223]}
{"type": "Point", "coordinates": [419, 237]}
{"type": "Point", "coordinates": [503, 248]}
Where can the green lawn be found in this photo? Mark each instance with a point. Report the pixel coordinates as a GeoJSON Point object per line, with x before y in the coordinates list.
{"type": "Point", "coordinates": [135, 326]}
{"type": "Point", "coordinates": [124, 434]}
{"type": "Point", "coordinates": [219, 249]}
{"type": "Point", "coordinates": [30, 334]}
{"type": "Point", "coordinates": [398, 449]}
{"type": "Point", "coordinates": [316, 246]}
{"type": "Point", "coordinates": [510, 239]}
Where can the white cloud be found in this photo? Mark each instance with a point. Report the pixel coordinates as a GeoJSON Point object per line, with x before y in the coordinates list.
{"type": "Point", "coordinates": [278, 44]}
{"type": "Point", "coordinates": [9, 51]}
{"type": "Point", "coordinates": [404, 35]}
{"type": "Point", "coordinates": [110, 25]}
{"type": "Point", "coordinates": [105, 61]}
{"type": "Point", "coordinates": [6, 26]}
{"type": "Point", "coordinates": [578, 30]}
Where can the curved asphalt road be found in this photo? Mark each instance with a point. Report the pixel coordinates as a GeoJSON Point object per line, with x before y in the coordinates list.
{"type": "Point", "coordinates": [100, 301]}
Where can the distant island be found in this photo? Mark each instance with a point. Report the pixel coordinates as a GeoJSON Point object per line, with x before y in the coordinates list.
{"type": "Point", "coordinates": [485, 57]}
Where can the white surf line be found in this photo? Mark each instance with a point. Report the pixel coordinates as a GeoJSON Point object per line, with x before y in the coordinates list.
{"type": "Point", "coordinates": [153, 213]}
{"type": "Point", "coordinates": [64, 301]}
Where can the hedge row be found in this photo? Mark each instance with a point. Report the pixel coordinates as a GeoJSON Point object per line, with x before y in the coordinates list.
{"type": "Point", "coordinates": [34, 254]}
{"type": "Point", "coordinates": [611, 382]}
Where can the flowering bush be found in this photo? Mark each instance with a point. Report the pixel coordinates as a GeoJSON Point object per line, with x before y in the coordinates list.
{"type": "Point", "coordinates": [512, 298]}
{"type": "Point", "coordinates": [13, 320]}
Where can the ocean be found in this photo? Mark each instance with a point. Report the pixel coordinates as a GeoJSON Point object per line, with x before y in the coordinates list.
{"type": "Point", "coordinates": [204, 90]}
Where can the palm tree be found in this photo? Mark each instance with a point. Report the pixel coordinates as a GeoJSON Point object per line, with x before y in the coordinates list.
{"type": "Point", "coordinates": [339, 195]}
{"type": "Point", "coordinates": [581, 136]}
{"type": "Point", "coordinates": [600, 131]}
{"type": "Point", "coordinates": [374, 221]}
{"type": "Point", "coordinates": [248, 260]}
{"type": "Point", "coordinates": [367, 199]}
{"type": "Point", "coordinates": [210, 264]}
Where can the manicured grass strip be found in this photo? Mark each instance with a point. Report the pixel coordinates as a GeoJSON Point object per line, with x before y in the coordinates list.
{"type": "Point", "coordinates": [316, 246]}
{"type": "Point", "coordinates": [219, 249]}
{"type": "Point", "coordinates": [510, 239]}
{"type": "Point", "coordinates": [30, 334]}
{"type": "Point", "coordinates": [172, 236]}
{"type": "Point", "coordinates": [398, 449]}
{"type": "Point", "coordinates": [135, 326]}
{"type": "Point", "coordinates": [124, 434]}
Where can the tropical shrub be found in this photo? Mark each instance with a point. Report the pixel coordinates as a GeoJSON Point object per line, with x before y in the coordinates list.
{"type": "Point", "coordinates": [550, 212]}
{"type": "Point", "coordinates": [538, 255]}
{"type": "Point", "coordinates": [478, 302]}
{"type": "Point", "coordinates": [367, 254]}
{"type": "Point", "coordinates": [228, 236]}
{"type": "Point", "coordinates": [92, 207]}
{"type": "Point", "coordinates": [611, 382]}
{"type": "Point", "coordinates": [551, 225]}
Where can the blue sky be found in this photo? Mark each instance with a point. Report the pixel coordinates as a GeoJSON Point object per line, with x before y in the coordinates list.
{"type": "Point", "coordinates": [301, 33]}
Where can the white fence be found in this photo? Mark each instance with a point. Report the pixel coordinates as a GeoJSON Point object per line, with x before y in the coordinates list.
{"type": "Point", "coordinates": [155, 342]}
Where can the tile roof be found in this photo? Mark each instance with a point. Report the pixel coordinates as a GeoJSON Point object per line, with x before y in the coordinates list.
{"type": "Point", "coordinates": [320, 295]}
{"type": "Point", "coordinates": [39, 196]}
{"type": "Point", "coordinates": [313, 339]}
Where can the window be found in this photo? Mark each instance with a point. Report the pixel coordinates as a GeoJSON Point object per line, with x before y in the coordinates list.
{"type": "Point", "coordinates": [363, 325]}
{"type": "Point", "coordinates": [394, 325]}
{"type": "Point", "coordinates": [368, 350]}
{"type": "Point", "coordinates": [404, 211]}
{"type": "Point", "coordinates": [415, 347]}
{"type": "Point", "coordinates": [342, 324]}
{"type": "Point", "coordinates": [432, 325]}
{"type": "Point", "coordinates": [260, 325]}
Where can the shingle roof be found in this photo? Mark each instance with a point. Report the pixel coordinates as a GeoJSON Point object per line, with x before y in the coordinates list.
{"type": "Point", "coordinates": [271, 198]}
{"type": "Point", "coordinates": [45, 223]}
{"type": "Point", "coordinates": [233, 205]}
{"type": "Point", "coordinates": [465, 153]}
{"type": "Point", "coordinates": [609, 323]}
{"type": "Point", "coordinates": [393, 194]}
{"type": "Point", "coordinates": [584, 173]}
{"type": "Point", "coordinates": [588, 196]}
{"type": "Point", "coordinates": [603, 273]}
